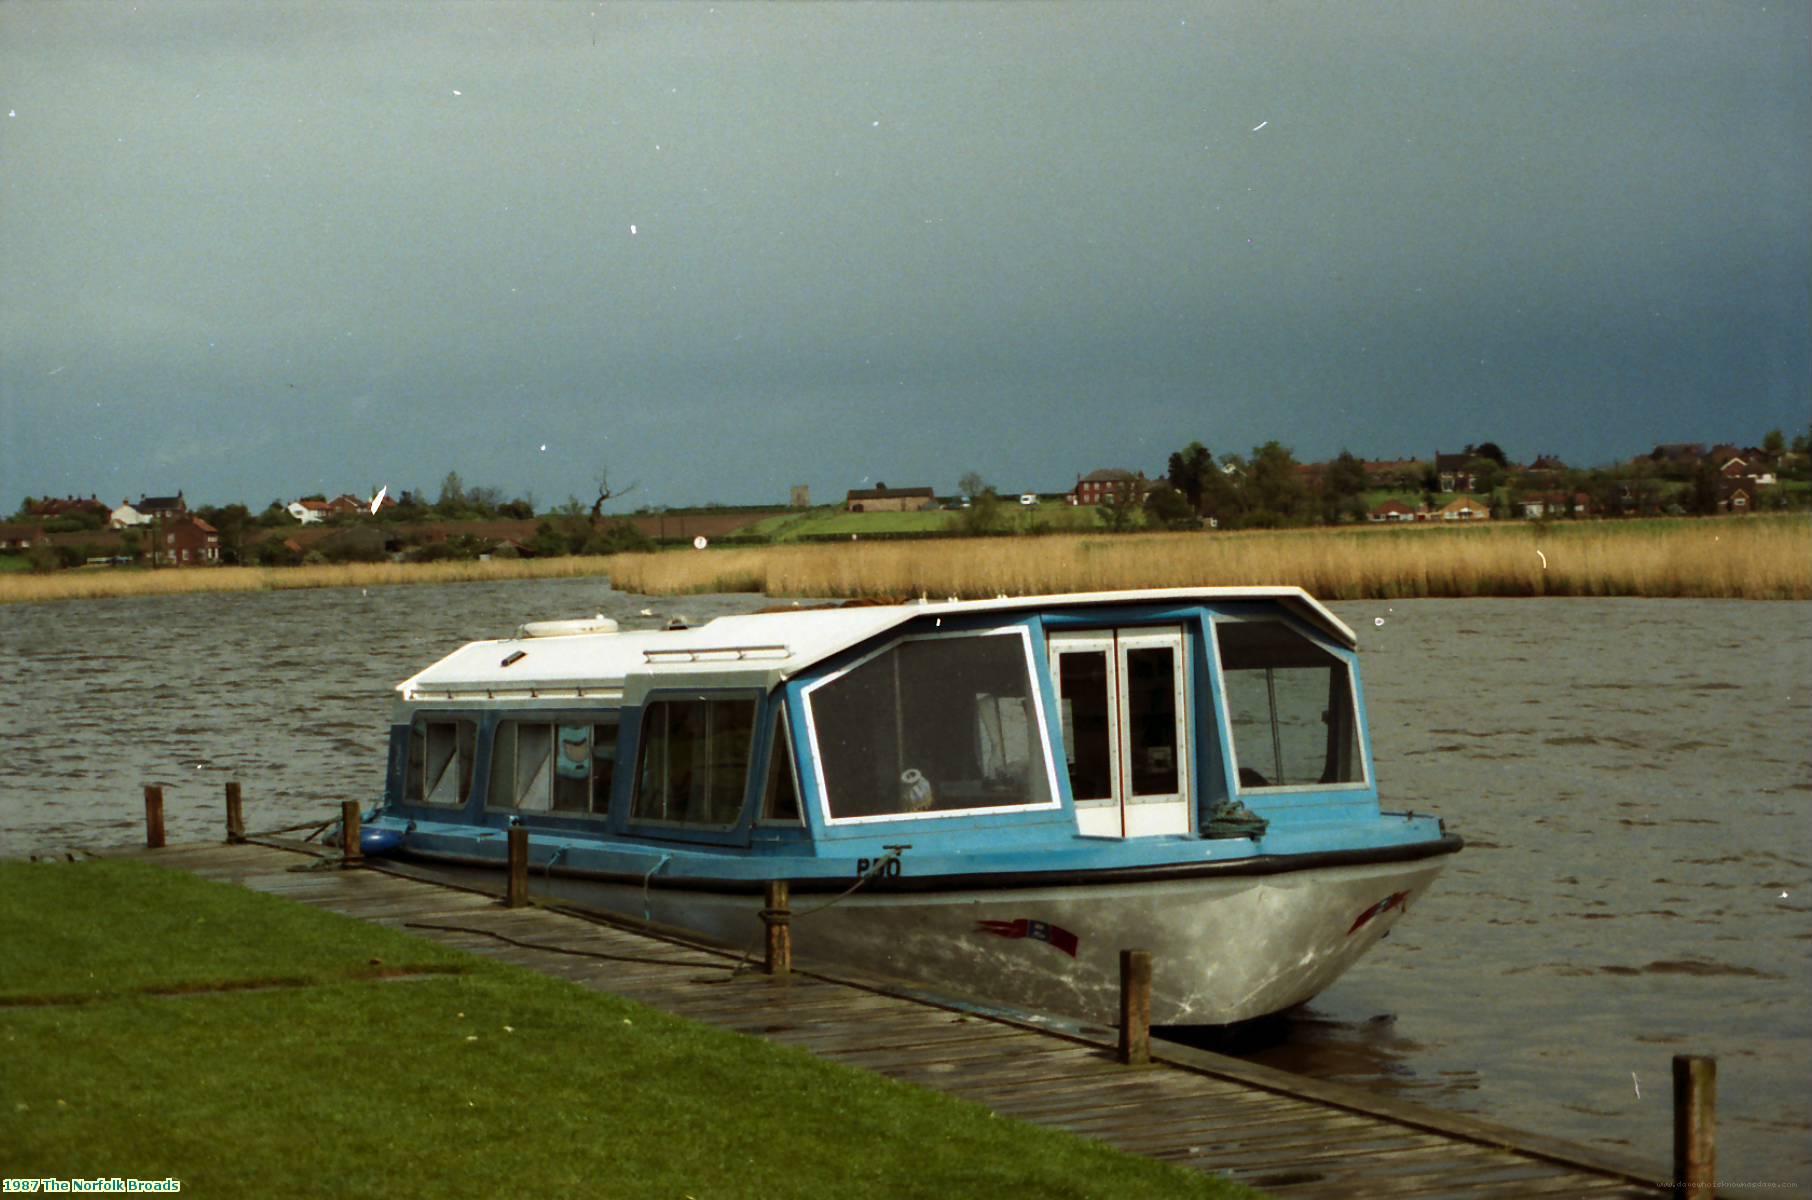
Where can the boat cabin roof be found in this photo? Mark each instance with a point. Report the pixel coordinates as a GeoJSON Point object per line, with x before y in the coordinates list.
{"type": "Point", "coordinates": [757, 650]}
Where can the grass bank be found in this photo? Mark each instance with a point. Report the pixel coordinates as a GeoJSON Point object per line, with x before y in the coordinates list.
{"type": "Point", "coordinates": [1756, 558]}
{"type": "Point", "coordinates": [153, 1025]}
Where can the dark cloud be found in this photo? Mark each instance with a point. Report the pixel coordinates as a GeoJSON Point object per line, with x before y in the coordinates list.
{"type": "Point", "coordinates": [253, 250]}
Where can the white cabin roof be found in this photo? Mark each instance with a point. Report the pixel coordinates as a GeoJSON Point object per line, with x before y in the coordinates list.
{"type": "Point", "coordinates": [754, 649]}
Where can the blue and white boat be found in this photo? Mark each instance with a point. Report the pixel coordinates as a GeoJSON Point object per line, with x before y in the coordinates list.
{"type": "Point", "coordinates": [1021, 788]}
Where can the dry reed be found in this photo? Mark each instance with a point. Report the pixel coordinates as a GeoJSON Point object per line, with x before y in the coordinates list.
{"type": "Point", "coordinates": [1750, 558]}
{"type": "Point", "coordinates": [96, 583]}
{"type": "Point", "coordinates": [1743, 558]}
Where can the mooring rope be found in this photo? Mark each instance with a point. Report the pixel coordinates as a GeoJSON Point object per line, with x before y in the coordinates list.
{"type": "Point", "coordinates": [576, 953]}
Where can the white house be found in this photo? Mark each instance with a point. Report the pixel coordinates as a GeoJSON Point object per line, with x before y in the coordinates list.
{"type": "Point", "coordinates": [308, 512]}
{"type": "Point", "coordinates": [126, 516]}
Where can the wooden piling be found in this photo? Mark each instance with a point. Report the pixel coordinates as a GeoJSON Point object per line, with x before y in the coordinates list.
{"type": "Point", "coordinates": [1695, 1124]}
{"type": "Point", "coordinates": [154, 816]}
{"type": "Point", "coordinates": [518, 888]}
{"type": "Point", "coordinates": [1135, 1007]}
{"type": "Point", "coordinates": [777, 915]}
{"type": "Point", "coordinates": [350, 853]}
{"type": "Point", "coordinates": [235, 813]}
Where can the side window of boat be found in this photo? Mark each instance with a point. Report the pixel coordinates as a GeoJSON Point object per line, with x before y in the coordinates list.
{"type": "Point", "coordinates": [440, 761]}
{"type": "Point", "coordinates": [694, 761]}
{"type": "Point", "coordinates": [780, 794]}
{"type": "Point", "coordinates": [559, 766]}
{"type": "Point", "coordinates": [1290, 707]}
{"type": "Point", "coordinates": [935, 724]}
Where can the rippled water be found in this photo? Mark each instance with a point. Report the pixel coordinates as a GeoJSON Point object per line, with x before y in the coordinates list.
{"type": "Point", "coordinates": [1632, 778]}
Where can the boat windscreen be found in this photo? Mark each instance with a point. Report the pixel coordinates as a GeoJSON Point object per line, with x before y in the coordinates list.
{"type": "Point", "coordinates": [932, 725]}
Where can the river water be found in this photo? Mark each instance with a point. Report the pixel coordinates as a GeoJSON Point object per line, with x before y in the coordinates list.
{"type": "Point", "coordinates": [1632, 777]}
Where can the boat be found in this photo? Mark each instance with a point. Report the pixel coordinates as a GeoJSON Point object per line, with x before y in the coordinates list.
{"type": "Point", "coordinates": [987, 799]}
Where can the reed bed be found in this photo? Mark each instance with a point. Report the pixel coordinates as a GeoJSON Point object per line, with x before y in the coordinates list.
{"type": "Point", "coordinates": [1751, 558]}
{"type": "Point", "coordinates": [1748, 558]}
{"type": "Point", "coordinates": [95, 583]}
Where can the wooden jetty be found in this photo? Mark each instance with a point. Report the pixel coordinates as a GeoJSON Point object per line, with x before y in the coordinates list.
{"type": "Point", "coordinates": [1282, 1133]}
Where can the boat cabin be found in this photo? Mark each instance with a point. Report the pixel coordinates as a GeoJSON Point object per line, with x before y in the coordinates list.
{"type": "Point", "coordinates": [1132, 715]}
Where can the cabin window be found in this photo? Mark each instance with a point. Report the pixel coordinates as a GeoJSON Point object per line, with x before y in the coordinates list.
{"type": "Point", "coordinates": [557, 766]}
{"type": "Point", "coordinates": [694, 761]}
{"type": "Point", "coordinates": [935, 724]}
{"type": "Point", "coordinates": [440, 761]}
{"type": "Point", "coordinates": [1290, 707]}
{"type": "Point", "coordinates": [780, 794]}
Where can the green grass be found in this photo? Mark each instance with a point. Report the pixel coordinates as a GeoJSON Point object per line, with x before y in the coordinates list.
{"type": "Point", "coordinates": [834, 521]}
{"type": "Point", "coordinates": [180, 937]}
{"type": "Point", "coordinates": [496, 1081]}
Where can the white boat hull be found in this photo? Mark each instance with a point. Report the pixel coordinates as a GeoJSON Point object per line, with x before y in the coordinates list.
{"type": "Point", "coordinates": [1225, 948]}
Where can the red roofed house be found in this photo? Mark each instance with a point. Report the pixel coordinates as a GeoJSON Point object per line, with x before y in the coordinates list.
{"type": "Point", "coordinates": [1465, 509]}
{"type": "Point", "coordinates": [882, 498]}
{"type": "Point", "coordinates": [191, 542]}
{"type": "Point", "coordinates": [1097, 486]}
{"type": "Point", "coordinates": [1555, 504]}
{"type": "Point", "coordinates": [1392, 510]}
{"type": "Point", "coordinates": [21, 535]}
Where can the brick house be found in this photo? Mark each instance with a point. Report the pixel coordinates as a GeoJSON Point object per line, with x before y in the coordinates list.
{"type": "Point", "coordinates": [191, 542]}
{"type": "Point", "coordinates": [882, 498]}
{"type": "Point", "coordinates": [1735, 496]}
{"type": "Point", "coordinates": [163, 508]}
{"type": "Point", "coordinates": [1455, 472]}
{"type": "Point", "coordinates": [1537, 505]}
{"type": "Point", "coordinates": [21, 535]}
{"type": "Point", "coordinates": [1393, 472]}
{"type": "Point", "coordinates": [1465, 509]}
{"type": "Point", "coordinates": [68, 506]}
{"type": "Point", "coordinates": [1392, 510]}
{"type": "Point", "coordinates": [1097, 486]}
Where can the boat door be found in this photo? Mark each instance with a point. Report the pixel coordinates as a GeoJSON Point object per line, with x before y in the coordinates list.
{"type": "Point", "coordinates": [1125, 728]}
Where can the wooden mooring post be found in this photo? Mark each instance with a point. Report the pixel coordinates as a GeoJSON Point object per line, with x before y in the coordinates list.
{"type": "Point", "coordinates": [777, 915]}
{"type": "Point", "coordinates": [1695, 1124]}
{"type": "Point", "coordinates": [1135, 1007]}
{"type": "Point", "coordinates": [154, 816]}
{"type": "Point", "coordinates": [235, 813]}
{"type": "Point", "coordinates": [350, 832]}
{"type": "Point", "coordinates": [517, 896]}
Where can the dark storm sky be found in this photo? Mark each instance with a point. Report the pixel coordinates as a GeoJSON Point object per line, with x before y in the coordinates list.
{"type": "Point", "coordinates": [253, 251]}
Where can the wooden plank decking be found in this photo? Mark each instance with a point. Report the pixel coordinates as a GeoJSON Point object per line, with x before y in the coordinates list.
{"type": "Point", "coordinates": [1286, 1134]}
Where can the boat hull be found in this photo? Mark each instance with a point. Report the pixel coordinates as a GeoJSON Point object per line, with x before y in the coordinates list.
{"type": "Point", "coordinates": [1226, 947]}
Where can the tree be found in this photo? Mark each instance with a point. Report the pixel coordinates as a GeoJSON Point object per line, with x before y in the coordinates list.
{"type": "Point", "coordinates": [605, 494]}
{"type": "Point", "coordinates": [484, 500]}
{"type": "Point", "coordinates": [1705, 490]}
{"type": "Point", "coordinates": [452, 502]}
{"type": "Point", "coordinates": [1487, 473]}
{"type": "Point", "coordinates": [1274, 486]}
{"type": "Point", "coordinates": [1489, 450]}
{"type": "Point", "coordinates": [1342, 486]}
{"type": "Point", "coordinates": [233, 521]}
{"type": "Point", "coordinates": [985, 515]}
{"type": "Point", "coordinates": [1120, 506]}
{"type": "Point", "coordinates": [1774, 442]}
{"type": "Point", "coordinates": [972, 485]}
{"type": "Point", "coordinates": [1191, 472]}
{"type": "Point", "coordinates": [1168, 507]}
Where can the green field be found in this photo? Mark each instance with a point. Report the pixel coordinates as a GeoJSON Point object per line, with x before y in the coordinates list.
{"type": "Point", "coordinates": [835, 522]}
{"type": "Point", "coordinates": [153, 1026]}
